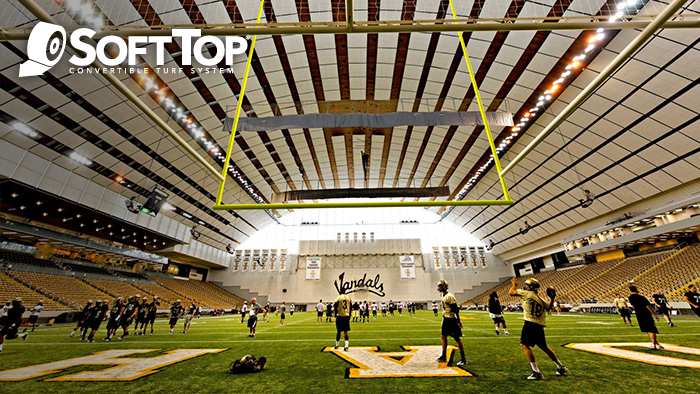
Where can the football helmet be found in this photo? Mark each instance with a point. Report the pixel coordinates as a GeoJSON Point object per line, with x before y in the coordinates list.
{"type": "Point", "coordinates": [533, 283]}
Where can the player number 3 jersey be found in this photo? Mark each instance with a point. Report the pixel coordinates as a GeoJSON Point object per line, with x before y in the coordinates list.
{"type": "Point", "coordinates": [344, 304]}
{"type": "Point", "coordinates": [448, 303]}
{"type": "Point", "coordinates": [533, 307]}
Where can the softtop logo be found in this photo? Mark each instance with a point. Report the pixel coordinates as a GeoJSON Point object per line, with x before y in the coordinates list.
{"type": "Point", "coordinates": [47, 43]}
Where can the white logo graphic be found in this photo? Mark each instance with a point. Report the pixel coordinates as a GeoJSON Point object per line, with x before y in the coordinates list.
{"type": "Point", "coordinates": [612, 349]}
{"type": "Point", "coordinates": [45, 47]}
{"type": "Point", "coordinates": [47, 42]}
{"type": "Point", "coordinates": [415, 361]}
{"type": "Point", "coordinates": [116, 368]}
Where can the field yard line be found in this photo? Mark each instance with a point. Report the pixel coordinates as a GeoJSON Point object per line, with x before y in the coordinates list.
{"type": "Point", "coordinates": [363, 340]}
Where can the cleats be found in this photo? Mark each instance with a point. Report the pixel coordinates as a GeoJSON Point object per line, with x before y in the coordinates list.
{"type": "Point", "coordinates": [441, 359]}
{"type": "Point", "coordinates": [335, 347]}
{"type": "Point", "coordinates": [90, 340]}
{"type": "Point", "coordinates": [652, 347]}
{"type": "Point", "coordinates": [345, 348]}
{"type": "Point", "coordinates": [461, 363]}
{"type": "Point", "coordinates": [660, 347]}
{"type": "Point", "coordinates": [507, 333]}
{"type": "Point", "coordinates": [562, 371]}
{"type": "Point", "coordinates": [536, 376]}
{"type": "Point", "coordinates": [498, 332]}
{"type": "Point", "coordinates": [24, 336]}
{"type": "Point", "coordinates": [71, 336]}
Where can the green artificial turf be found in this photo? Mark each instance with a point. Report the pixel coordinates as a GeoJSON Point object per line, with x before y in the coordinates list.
{"type": "Point", "coordinates": [296, 363]}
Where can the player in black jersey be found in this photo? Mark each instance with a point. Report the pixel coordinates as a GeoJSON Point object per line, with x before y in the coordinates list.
{"type": "Point", "coordinates": [692, 297]}
{"type": "Point", "coordinates": [189, 315]}
{"type": "Point", "coordinates": [141, 317]}
{"type": "Point", "coordinates": [128, 315]}
{"type": "Point", "coordinates": [12, 322]}
{"type": "Point", "coordinates": [81, 320]}
{"type": "Point", "coordinates": [95, 316]}
{"type": "Point", "coordinates": [175, 313]}
{"type": "Point", "coordinates": [662, 307]}
{"type": "Point", "coordinates": [151, 314]}
{"type": "Point", "coordinates": [114, 315]}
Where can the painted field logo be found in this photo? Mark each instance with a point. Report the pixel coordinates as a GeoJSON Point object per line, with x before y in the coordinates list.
{"type": "Point", "coordinates": [414, 361]}
{"type": "Point", "coordinates": [661, 358]}
{"type": "Point", "coordinates": [117, 369]}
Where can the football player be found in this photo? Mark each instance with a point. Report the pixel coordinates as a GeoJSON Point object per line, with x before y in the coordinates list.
{"type": "Point", "coordinates": [114, 315]}
{"type": "Point", "coordinates": [291, 310]}
{"type": "Point", "coordinates": [662, 306]}
{"type": "Point", "coordinates": [435, 308]}
{"type": "Point", "coordinates": [255, 309]}
{"type": "Point", "coordinates": [532, 334]}
{"type": "Point", "coordinates": [693, 299]}
{"type": "Point", "coordinates": [244, 309]}
{"type": "Point", "coordinates": [283, 310]}
{"type": "Point", "coordinates": [496, 313]}
{"type": "Point", "coordinates": [175, 313]}
{"type": "Point", "coordinates": [329, 313]}
{"type": "Point", "coordinates": [319, 311]}
{"type": "Point", "coordinates": [141, 317]}
{"type": "Point", "coordinates": [128, 315]}
{"type": "Point", "coordinates": [374, 310]}
{"type": "Point", "coordinates": [152, 310]}
{"type": "Point", "coordinates": [34, 316]}
{"type": "Point", "coordinates": [342, 319]}
{"type": "Point", "coordinates": [94, 319]}
{"type": "Point", "coordinates": [643, 311]}
{"type": "Point", "coordinates": [622, 309]}
{"type": "Point", "coordinates": [81, 320]}
{"type": "Point", "coordinates": [451, 323]}
{"type": "Point", "coordinates": [12, 321]}
{"type": "Point", "coordinates": [191, 310]}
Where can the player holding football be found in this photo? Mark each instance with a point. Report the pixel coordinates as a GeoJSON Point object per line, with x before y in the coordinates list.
{"type": "Point", "coordinates": [342, 318]}
{"type": "Point", "coordinates": [451, 324]}
{"type": "Point", "coordinates": [534, 315]}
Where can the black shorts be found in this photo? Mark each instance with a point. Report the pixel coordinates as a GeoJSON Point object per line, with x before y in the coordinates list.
{"type": "Point", "coordinates": [646, 323]}
{"type": "Point", "coordinates": [624, 312]}
{"type": "Point", "coordinates": [282, 316]}
{"type": "Point", "coordinates": [342, 323]}
{"type": "Point", "coordinates": [173, 321]}
{"type": "Point", "coordinates": [533, 335]}
{"type": "Point", "coordinates": [697, 311]}
{"type": "Point", "coordinates": [319, 314]}
{"type": "Point", "coordinates": [32, 319]}
{"type": "Point", "coordinates": [150, 319]}
{"type": "Point", "coordinates": [252, 321]}
{"type": "Point", "coordinates": [450, 327]}
{"type": "Point", "coordinates": [374, 313]}
{"type": "Point", "coordinates": [662, 310]}
{"type": "Point", "coordinates": [140, 319]}
{"type": "Point", "coordinates": [95, 324]}
{"type": "Point", "coordinates": [499, 319]}
{"type": "Point", "coordinates": [8, 332]}
{"type": "Point", "coordinates": [113, 324]}
{"type": "Point", "coordinates": [126, 322]}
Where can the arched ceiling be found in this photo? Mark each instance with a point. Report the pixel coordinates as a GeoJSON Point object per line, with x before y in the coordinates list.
{"type": "Point", "coordinates": [635, 137]}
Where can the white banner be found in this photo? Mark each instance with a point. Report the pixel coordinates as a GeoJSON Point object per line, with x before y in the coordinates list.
{"type": "Point", "coordinates": [408, 267]}
{"type": "Point", "coordinates": [313, 269]}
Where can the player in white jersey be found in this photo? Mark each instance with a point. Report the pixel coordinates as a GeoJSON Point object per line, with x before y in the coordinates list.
{"type": "Point", "coordinates": [374, 310]}
{"type": "Point", "coordinates": [244, 309]}
{"type": "Point", "coordinates": [31, 320]}
{"type": "Point", "coordinates": [434, 307]}
{"type": "Point", "coordinates": [291, 310]}
{"type": "Point", "coordinates": [319, 312]}
{"type": "Point", "coordinates": [383, 306]}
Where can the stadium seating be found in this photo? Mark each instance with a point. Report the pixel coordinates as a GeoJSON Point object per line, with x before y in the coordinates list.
{"type": "Point", "coordinates": [612, 278]}
{"type": "Point", "coordinates": [70, 291]}
{"type": "Point", "coordinates": [87, 269]}
{"type": "Point", "coordinates": [207, 294]}
{"type": "Point", "coordinates": [25, 258]}
{"type": "Point", "coordinates": [671, 275]}
{"type": "Point", "coordinates": [10, 289]}
{"type": "Point", "coordinates": [166, 295]}
{"type": "Point", "coordinates": [117, 289]}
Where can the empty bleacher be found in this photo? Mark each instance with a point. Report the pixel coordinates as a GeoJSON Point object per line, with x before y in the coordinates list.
{"type": "Point", "coordinates": [10, 289]}
{"type": "Point", "coordinates": [11, 257]}
{"type": "Point", "coordinates": [207, 294]}
{"type": "Point", "coordinates": [166, 295]}
{"type": "Point", "coordinates": [618, 275]}
{"type": "Point", "coordinates": [117, 288]}
{"type": "Point", "coordinates": [70, 291]}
